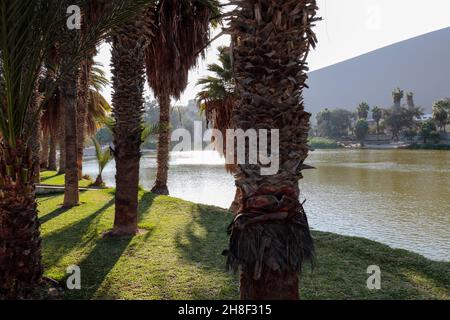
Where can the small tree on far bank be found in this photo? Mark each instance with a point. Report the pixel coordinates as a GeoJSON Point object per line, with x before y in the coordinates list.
{"type": "Point", "coordinates": [428, 131]}
{"type": "Point", "coordinates": [441, 111]}
{"type": "Point", "coordinates": [361, 131]}
{"type": "Point", "coordinates": [363, 110]}
{"type": "Point", "coordinates": [377, 115]}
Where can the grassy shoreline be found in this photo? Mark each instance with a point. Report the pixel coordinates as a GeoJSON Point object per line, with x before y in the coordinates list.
{"type": "Point", "coordinates": [179, 256]}
{"type": "Point", "coordinates": [324, 143]}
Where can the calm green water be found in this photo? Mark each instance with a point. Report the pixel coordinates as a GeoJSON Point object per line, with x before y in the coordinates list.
{"type": "Point", "coordinates": [398, 197]}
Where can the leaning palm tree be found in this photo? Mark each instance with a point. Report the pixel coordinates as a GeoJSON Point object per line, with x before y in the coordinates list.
{"type": "Point", "coordinates": [217, 97]}
{"type": "Point", "coordinates": [181, 33]}
{"type": "Point", "coordinates": [270, 237]}
{"type": "Point", "coordinates": [217, 101]}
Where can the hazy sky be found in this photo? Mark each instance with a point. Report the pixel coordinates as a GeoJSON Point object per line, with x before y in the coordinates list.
{"type": "Point", "coordinates": [349, 28]}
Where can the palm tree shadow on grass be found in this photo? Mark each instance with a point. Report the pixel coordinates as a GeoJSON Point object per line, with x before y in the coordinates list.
{"type": "Point", "coordinates": [46, 178]}
{"type": "Point", "coordinates": [45, 198]}
{"type": "Point", "coordinates": [107, 251]}
{"type": "Point", "coordinates": [96, 267]}
{"type": "Point", "coordinates": [54, 214]}
{"type": "Point", "coordinates": [205, 250]}
{"type": "Point", "coordinates": [202, 242]}
{"type": "Point", "coordinates": [145, 203]}
{"type": "Point", "coordinates": [61, 242]}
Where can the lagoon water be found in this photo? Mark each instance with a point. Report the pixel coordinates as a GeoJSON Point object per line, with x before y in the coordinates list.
{"type": "Point", "coordinates": [397, 197]}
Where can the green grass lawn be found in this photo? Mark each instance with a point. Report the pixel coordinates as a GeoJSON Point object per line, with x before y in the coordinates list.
{"type": "Point", "coordinates": [179, 257]}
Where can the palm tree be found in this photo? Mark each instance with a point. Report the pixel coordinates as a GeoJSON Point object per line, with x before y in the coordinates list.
{"type": "Point", "coordinates": [97, 109]}
{"type": "Point", "coordinates": [103, 158]}
{"type": "Point", "coordinates": [217, 97]}
{"type": "Point", "coordinates": [129, 41]}
{"type": "Point", "coordinates": [62, 142]}
{"type": "Point", "coordinates": [361, 131]}
{"type": "Point", "coordinates": [363, 111]}
{"type": "Point", "coordinates": [92, 13]}
{"type": "Point", "coordinates": [377, 114]}
{"type": "Point", "coordinates": [217, 101]}
{"type": "Point", "coordinates": [33, 127]}
{"type": "Point", "coordinates": [45, 149]}
{"type": "Point", "coordinates": [270, 237]}
{"type": "Point", "coordinates": [181, 33]}
{"type": "Point", "coordinates": [410, 100]}
{"type": "Point", "coordinates": [440, 114]}
{"type": "Point", "coordinates": [82, 102]}
{"type": "Point", "coordinates": [28, 30]}
{"type": "Point", "coordinates": [24, 40]}
{"type": "Point", "coordinates": [323, 122]}
{"type": "Point", "coordinates": [49, 122]}
{"type": "Point", "coordinates": [84, 43]}
{"type": "Point", "coordinates": [397, 95]}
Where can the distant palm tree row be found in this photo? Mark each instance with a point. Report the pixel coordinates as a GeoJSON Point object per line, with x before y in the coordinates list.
{"type": "Point", "coordinates": [97, 110]}
{"type": "Point", "coordinates": [399, 120]}
{"type": "Point", "coordinates": [49, 95]}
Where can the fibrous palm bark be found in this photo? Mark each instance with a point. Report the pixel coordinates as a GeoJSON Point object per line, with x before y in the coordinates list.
{"type": "Point", "coordinates": [128, 44]}
{"type": "Point", "coordinates": [162, 173]}
{"type": "Point", "coordinates": [69, 97]}
{"type": "Point", "coordinates": [82, 101]}
{"type": "Point", "coordinates": [20, 244]}
{"type": "Point", "coordinates": [52, 151]}
{"type": "Point", "coordinates": [91, 15]}
{"type": "Point", "coordinates": [33, 126]}
{"type": "Point", "coordinates": [62, 141]}
{"type": "Point", "coordinates": [270, 237]}
{"type": "Point", "coordinates": [68, 94]}
{"type": "Point", "coordinates": [44, 151]}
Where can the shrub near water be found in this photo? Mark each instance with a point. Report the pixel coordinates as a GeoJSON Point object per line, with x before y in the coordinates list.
{"type": "Point", "coordinates": [323, 143]}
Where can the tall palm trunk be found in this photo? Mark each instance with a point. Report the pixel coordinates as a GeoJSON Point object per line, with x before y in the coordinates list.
{"type": "Point", "coordinates": [81, 114]}
{"type": "Point", "coordinates": [270, 236]}
{"type": "Point", "coordinates": [33, 124]}
{"type": "Point", "coordinates": [128, 84]}
{"type": "Point", "coordinates": [20, 244]}
{"type": "Point", "coordinates": [44, 151]}
{"type": "Point", "coordinates": [52, 151]}
{"type": "Point", "coordinates": [69, 96]}
{"type": "Point", "coordinates": [160, 186]}
{"type": "Point", "coordinates": [62, 139]}
{"type": "Point", "coordinates": [35, 147]}
{"type": "Point", "coordinates": [82, 102]}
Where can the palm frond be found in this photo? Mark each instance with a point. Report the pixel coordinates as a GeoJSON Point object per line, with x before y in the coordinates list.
{"type": "Point", "coordinates": [148, 131]}
{"type": "Point", "coordinates": [181, 34]}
